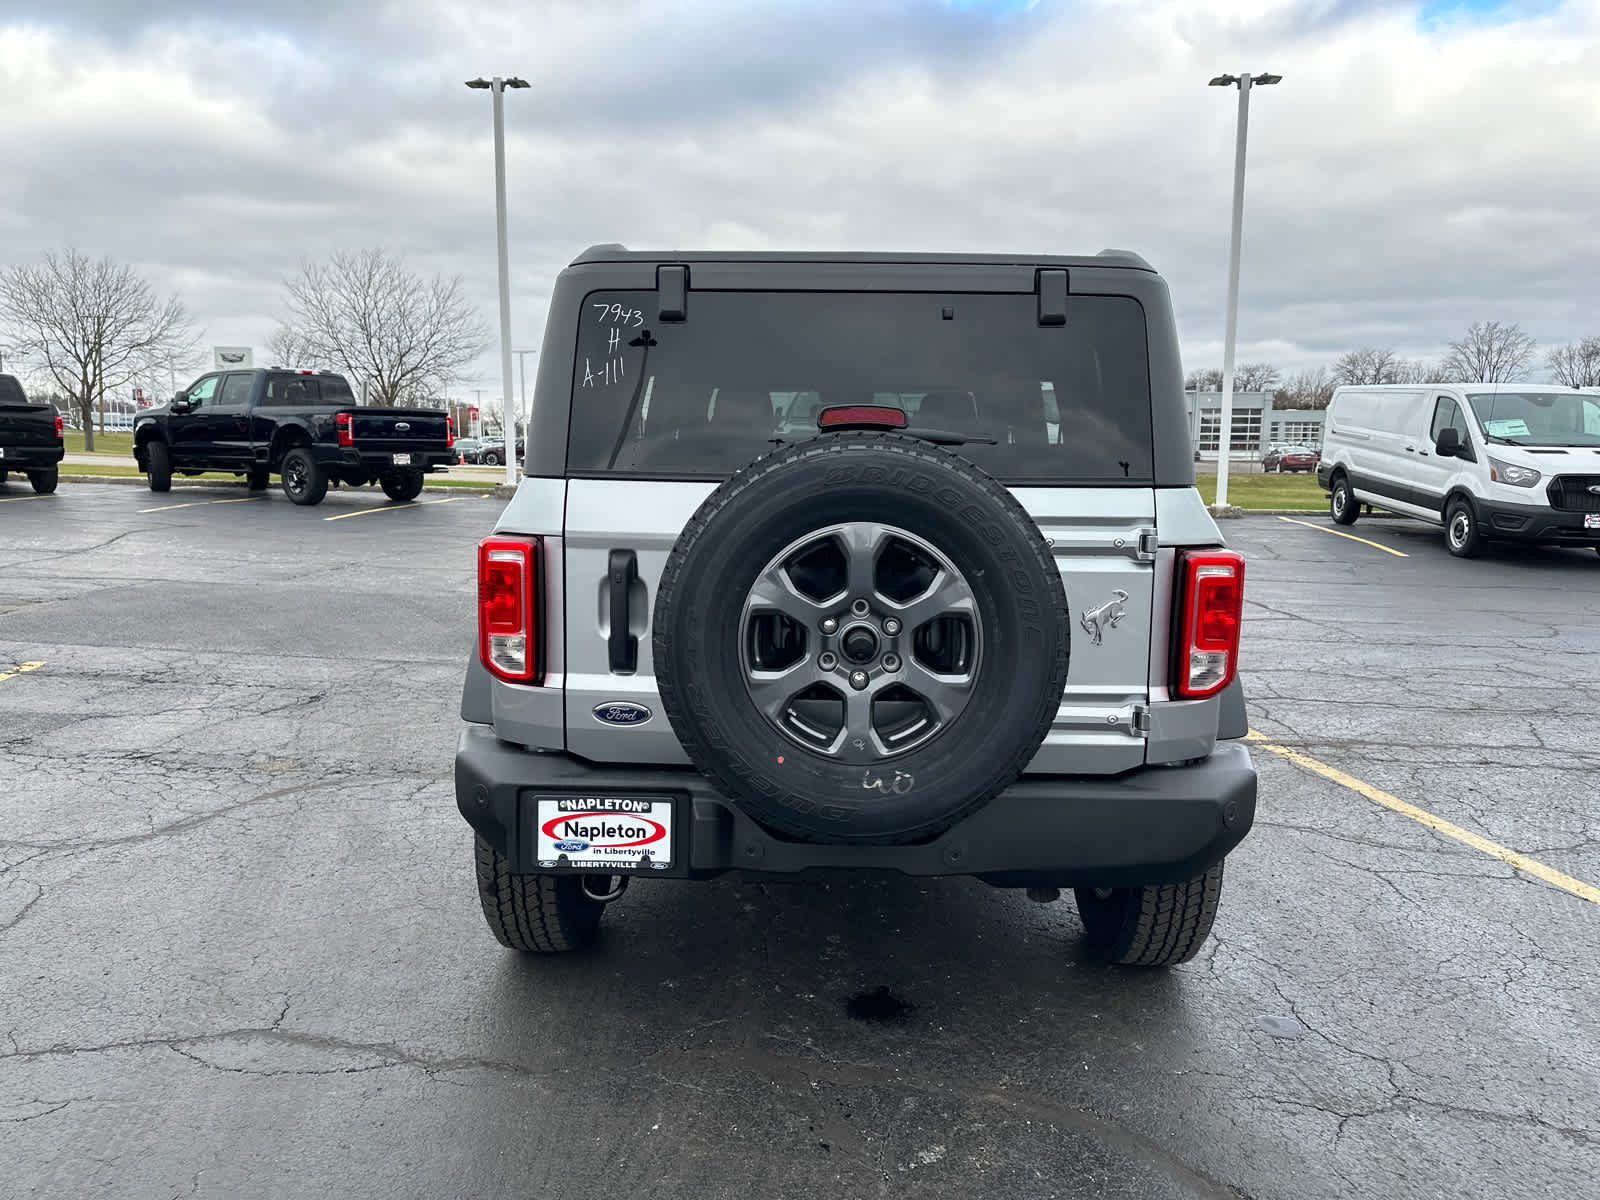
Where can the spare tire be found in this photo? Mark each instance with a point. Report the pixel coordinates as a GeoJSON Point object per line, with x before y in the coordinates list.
{"type": "Point", "coordinates": [860, 638]}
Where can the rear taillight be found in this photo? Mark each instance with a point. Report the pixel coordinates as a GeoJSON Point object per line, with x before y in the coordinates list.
{"type": "Point", "coordinates": [342, 421]}
{"type": "Point", "coordinates": [508, 608]}
{"type": "Point", "coordinates": [449, 432]}
{"type": "Point", "coordinates": [59, 433]}
{"type": "Point", "coordinates": [1210, 605]}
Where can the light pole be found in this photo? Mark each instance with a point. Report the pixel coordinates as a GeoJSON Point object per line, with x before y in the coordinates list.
{"type": "Point", "coordinates": [522, 372]}
{"type": "Point", "coordinates": [498, 85]}
{"type": "Point", "coordinates": [1225, 434]}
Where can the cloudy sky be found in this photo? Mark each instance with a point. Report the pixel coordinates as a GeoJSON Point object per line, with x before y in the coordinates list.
{"type": "Point", "coordinates": [1423, 165]}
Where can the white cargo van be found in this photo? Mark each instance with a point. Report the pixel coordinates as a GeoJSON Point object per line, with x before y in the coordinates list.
{"type": "Point", "coordinates": [1508, 461]}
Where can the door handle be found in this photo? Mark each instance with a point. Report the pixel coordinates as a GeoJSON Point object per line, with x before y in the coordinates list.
{"type": "Point", "coordinates": [621, 646]}
{"type": "Point", "coordinates": [1411, 449]}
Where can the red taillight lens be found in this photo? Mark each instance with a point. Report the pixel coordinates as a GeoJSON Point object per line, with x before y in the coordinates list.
{"type": "Point", "coordinates": [449, 432]}
{"type": "Point", "coordinates": [508, 608]}
{"type": "Point", "coordinates": [59, 433]}
{"type": "Point", "coordinates": [1211, 605]}
{"type": "Point", "coordinates": [343, 422]}
{"type": "Point", "coordinates": [861, 414]}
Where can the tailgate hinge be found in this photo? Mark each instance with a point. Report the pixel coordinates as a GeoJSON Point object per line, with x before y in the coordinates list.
{"type": "Point", "coordinates": [1148, 541]}
{"type": "Point", "coordinates": [1139, 726]}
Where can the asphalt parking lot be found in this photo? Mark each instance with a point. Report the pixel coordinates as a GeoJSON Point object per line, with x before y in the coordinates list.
{"type": "Point", "coordinates": [241, 953]}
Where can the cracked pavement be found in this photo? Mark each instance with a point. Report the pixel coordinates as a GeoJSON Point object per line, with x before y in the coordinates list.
{"type": "Point", "coordinates": [241, 953]}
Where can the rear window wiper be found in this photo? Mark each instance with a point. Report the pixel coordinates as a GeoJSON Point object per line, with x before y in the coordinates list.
{"type": "Point", "coordinates": [946, 437]}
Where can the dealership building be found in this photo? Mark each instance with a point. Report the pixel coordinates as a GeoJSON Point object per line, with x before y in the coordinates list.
{"type": "Point", "coordinates": [1256, 423]}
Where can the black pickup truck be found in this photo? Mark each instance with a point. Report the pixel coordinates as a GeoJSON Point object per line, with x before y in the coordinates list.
{"type": "Point", "coordinates": [303, 426]}
{"type": "Point", "coordinates": [30, 437]}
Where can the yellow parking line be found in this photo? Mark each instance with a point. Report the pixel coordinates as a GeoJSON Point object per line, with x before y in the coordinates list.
{"type": "Point", "coordinates": [36, 496]}
{"type": "Point", "coordinates": [1351, 536]}
{"type": "Point", "coordinates": [197, 503]}
{"type": "Point", "coordinates": [22, 669]}
{"type": "Point", "coordinates": [383, 508]}
{"type": "Point", "coordinates": [1521, 862]}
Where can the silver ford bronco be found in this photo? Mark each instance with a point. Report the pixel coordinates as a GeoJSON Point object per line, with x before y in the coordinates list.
{"type": "Point", "coordinates": [862, 561]}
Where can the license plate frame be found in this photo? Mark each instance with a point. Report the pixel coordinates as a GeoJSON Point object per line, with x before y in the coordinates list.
{"type": "Point", "coordinates": [602, 834]}
{"type": "Point", "coordinates": [401, 460]}
{"type": "Point", "coordinates": [1591, 520]}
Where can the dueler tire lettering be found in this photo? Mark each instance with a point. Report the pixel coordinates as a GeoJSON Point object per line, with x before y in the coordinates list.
{"type": "Point", "coordinates": [886, 479]}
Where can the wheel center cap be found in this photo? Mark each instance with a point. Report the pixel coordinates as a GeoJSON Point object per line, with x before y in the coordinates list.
{"type": "Point", "coordinates": [860, 644]}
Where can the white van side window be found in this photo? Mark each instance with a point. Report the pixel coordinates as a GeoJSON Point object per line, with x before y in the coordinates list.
{"type": "Point", "coordinates": [1447, 415]}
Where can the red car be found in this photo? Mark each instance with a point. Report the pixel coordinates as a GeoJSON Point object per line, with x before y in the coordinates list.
{"type": "Point", "coordinates": [1291, 459]}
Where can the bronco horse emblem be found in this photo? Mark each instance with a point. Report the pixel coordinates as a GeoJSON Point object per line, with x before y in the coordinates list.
{"type": "Point", "coordinates": [1096, 621]}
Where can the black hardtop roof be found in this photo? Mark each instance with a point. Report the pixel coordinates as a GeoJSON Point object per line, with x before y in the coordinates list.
{"type": "Point", "coordinates": [614, 252]}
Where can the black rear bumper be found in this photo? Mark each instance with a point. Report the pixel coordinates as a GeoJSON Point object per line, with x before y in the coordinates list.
{"type": "Point", "coordinates": [32, 458]}
{"type": "Point", "coordinates": [1154, 825]}
{"type": "Point", "coordinates": [371, 463]}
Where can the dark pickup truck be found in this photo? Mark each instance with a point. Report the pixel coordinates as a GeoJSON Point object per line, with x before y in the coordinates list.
{"type": "Point", "coordinates": [30, 437]}
{"type": "Point", "coordinates": [303, 426]}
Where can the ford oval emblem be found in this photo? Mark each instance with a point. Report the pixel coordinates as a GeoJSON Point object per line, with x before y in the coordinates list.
{"type": "Point", "coordinates": [621, 712]}
{"type": "Point", "coordinates": [402, 426]}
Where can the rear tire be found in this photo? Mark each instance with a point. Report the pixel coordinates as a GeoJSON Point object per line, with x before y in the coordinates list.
{"type": "Point", "coordinates": [258, 479]}
{"type": "Point", "coordinates": [540, 914]}
{"type": "Point", "coordinates": [44, 482]}
{"type": "Point", "coordinates": [158, 467]}
{"type": "Point", "coordinates": [304, 481]}
{"type": "Point", "coordinates": [1461, 536]}
{"type": "Point", "coordinates": [4, 475]}
{"type": "Point", "coordinates": [401, 485]}
{"type": "Point", "coordinates": [1342, 504]}
{"type": "Point", "coordinates": [1156, 925]}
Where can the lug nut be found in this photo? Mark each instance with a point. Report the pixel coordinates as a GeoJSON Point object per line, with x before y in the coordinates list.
{"type": "Point", "coordinates": [827, 662]}
{"type": "Point", "coordinates": [859, 607]}
{"type": "Point", "coordinates": [891, 662]}
{"type": "Point", "coordinates": [891, 626]}
{"type": "Point", "coordinates": [858, 680]}
{"type": "Point", "coordinates": [829, 625]}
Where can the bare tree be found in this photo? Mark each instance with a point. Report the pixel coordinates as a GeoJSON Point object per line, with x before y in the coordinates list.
{"type": "Point", "coordinates": [1418, 370]}
{"type": "Point", "coordinates": [1208, 380]}
{"type": "Point", "coordinates": [1370, 364]}
{"type": "Point", "coordinates": [1308, 389]}
{"type": "Point", "coordinates": [1490, 352]}
{"type": "Point", "coordinates": [1255, 377]}
{"type": "Point", "coordinates": [1576, 365]}
{"type": "Point", "coordinates": [367, 315]}
{"type": "Point", "coordinates": [91, 326]}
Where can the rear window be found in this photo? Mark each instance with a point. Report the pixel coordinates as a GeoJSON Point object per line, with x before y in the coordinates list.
{"type": "Point", "coordinates": [748, 370]}
{"type": "Point", "coordinates": [291, 389]}
{"type": "Point", "coordinates": [11, 391]}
